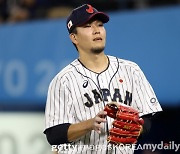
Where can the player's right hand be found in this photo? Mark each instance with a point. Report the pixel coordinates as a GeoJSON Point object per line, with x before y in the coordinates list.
{"type": "Point", "coordinates": [98, 120]}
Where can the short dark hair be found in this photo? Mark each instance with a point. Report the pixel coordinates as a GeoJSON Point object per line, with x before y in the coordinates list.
{"type": "Point", "coordinates": [74, 31]}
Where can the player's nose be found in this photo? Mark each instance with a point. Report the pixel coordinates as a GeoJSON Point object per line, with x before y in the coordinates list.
{"type": "Point", "coordinates": [96, 29]}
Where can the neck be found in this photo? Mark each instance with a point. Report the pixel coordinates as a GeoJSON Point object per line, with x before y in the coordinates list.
{"type": "Point", "coordinates": [95, 62]}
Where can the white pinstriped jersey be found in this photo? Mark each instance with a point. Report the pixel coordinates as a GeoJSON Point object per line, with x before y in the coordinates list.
{"type": "Point", "coordinates": [77, 94]}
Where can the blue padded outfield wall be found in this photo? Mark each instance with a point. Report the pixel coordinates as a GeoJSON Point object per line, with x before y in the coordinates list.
{"type": "Point", "coordinates": [31, 53]}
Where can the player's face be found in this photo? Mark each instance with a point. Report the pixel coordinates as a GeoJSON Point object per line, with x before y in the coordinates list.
{"type": "Point", "coordinates": [91, 37]}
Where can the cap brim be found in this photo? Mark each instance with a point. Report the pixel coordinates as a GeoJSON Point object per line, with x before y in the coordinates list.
{"type": "Point", "coordinates": [99, 15]}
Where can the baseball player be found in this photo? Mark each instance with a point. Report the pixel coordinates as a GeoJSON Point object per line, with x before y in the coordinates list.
{"type": "Point", "coordinates": [75, 117]}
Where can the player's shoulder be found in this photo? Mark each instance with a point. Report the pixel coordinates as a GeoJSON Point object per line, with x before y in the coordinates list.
{"type": "Point", "coordinates": [63, 73]}
{"type": "Point", "coordinates": [124, 62]}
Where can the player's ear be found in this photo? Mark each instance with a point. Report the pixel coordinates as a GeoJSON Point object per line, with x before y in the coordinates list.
{"type": "Point", "coordinates": [73, 38]}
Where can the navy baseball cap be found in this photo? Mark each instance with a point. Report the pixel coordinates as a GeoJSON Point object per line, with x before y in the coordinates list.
{"type": "Point", "coordinates": [83, 14]}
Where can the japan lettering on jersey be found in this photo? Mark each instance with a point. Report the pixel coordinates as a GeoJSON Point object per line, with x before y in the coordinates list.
{"type": "Point", "coordinates": [77, 94]}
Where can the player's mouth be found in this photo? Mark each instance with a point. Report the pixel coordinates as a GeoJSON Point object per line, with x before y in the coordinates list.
{"type": "Point", "coordinates": [97, 39]}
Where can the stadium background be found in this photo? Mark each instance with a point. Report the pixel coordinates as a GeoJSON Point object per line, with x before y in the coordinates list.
{"type": "Point", "coordinates": [34, 48]}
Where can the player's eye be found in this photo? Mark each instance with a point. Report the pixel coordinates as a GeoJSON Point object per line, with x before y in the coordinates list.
{"type": "Point", "coordinates": [87, 25]}
{"type": "Point", "coordinates": [100, 25]}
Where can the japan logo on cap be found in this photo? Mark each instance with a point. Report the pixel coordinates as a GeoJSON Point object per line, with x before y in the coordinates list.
{"type": "Point", "coordinates": [69, 24]}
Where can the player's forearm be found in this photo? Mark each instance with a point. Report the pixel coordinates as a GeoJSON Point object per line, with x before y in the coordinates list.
{"type": "Point", "coordinates": [78, 130]}
{"type": "Point", "coordinates": [68, 132]}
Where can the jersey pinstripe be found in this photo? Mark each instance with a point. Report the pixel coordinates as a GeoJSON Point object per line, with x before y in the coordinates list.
{"type": "Point", "coordinates": [77, 94]}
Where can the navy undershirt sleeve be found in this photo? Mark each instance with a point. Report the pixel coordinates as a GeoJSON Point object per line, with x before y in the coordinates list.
{"type": "Point", "coordinates": [57, 134]}
{"type": "Point", "coordinates": [147, 125]}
